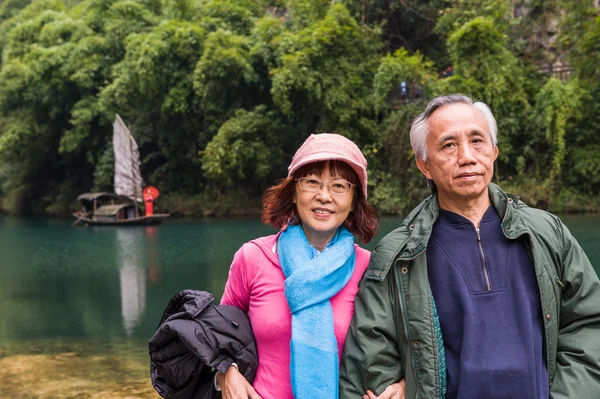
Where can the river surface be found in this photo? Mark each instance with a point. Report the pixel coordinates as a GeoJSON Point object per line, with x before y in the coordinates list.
{"type": "Point", "coordinates": [69, 295]}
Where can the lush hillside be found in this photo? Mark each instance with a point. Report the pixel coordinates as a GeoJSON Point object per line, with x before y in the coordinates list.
{"type": "Point", "coordinates": [220, 93]}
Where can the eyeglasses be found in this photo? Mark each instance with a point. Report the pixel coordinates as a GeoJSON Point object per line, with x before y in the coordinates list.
{"type": "Point", "coordinates": [337, 186]}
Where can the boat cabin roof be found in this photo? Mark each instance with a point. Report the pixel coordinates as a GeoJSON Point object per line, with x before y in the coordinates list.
{"type": "Point", "coordinates": [96, 196]}
{"type": "Point", "coordinates": [111, 210]}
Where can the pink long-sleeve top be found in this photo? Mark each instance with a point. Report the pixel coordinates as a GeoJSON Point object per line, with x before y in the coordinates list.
{"type": "Point", "coordinates": [256, 285]}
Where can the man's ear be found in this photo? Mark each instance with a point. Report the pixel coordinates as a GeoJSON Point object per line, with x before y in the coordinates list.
{"type": "Point", "coordinates": [422, 165]}
{"type": "Point", "coordinates": [495, 152]}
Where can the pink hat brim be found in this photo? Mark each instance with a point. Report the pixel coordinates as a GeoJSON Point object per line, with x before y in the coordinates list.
{"type": "Point", "coordinates": [330, 156]}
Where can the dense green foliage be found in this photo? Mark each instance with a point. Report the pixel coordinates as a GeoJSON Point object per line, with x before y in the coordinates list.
{"type": "Point", "coordinates": [220, 93]}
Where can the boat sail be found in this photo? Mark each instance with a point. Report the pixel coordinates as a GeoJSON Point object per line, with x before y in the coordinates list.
{"type": "Point", "coordinates": [128, 179]}
{"type": "Point", "coordinates": [121, 207]}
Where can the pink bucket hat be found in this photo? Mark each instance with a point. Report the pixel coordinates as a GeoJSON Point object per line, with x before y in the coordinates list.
{"type": "Point", "coordinates": [330, 146]}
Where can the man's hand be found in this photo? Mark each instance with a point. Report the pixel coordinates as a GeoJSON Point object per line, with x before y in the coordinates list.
{"type": "Point", "coordinates": [235, 386]}
{"type": "Point", "coordinates": [394, 391]}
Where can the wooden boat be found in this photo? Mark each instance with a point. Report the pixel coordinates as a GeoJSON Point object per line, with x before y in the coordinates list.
{"type": "Point", "coordinates": [121, 208]}
{"type": "Point", "coordinates": [109, 209]}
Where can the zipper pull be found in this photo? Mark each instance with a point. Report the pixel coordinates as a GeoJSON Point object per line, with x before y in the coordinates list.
{"type": "Point", "coordinates": [559, 282]}
{"type": "Point", "coordinates": [478, 236]}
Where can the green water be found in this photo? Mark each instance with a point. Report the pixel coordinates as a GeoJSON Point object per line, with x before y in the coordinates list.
{"type": "Point", "coordinates": [113, 282]}
{"type": "Point", "coordinates": [103, 289]}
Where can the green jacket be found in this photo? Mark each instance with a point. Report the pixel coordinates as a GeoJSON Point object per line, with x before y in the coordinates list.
{"type": "Point", "coordinates": [395, 330]}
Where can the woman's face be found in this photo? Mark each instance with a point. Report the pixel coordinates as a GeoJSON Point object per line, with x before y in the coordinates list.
{"type": "Point", "coordinates": [322, 212]}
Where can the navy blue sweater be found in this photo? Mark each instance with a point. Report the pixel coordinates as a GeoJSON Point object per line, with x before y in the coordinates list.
{"type": "Point", "coordinates": [488, 302]}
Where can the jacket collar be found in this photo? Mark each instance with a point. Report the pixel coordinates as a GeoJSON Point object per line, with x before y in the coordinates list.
{"type": "Point", "coordinates": [508, 205]}
{"type": "Point", "coordinates": [419, 223]}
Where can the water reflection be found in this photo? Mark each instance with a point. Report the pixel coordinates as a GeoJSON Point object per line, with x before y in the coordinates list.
{"type": "Point", "coordinates": [152, 245]}
{"type": "Point", "coordinates": [137, 261]}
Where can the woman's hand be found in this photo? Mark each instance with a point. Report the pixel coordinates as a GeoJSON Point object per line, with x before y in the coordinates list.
{"type": "Point", "coordinates": [394, 391]}
{"type": "Point", "coordinates": [235, 386]}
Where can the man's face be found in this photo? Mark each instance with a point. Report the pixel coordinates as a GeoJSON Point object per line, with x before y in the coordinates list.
{"type": "Point", "coordinates": [461, 154]}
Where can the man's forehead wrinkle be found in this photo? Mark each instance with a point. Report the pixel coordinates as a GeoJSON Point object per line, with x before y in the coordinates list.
{"type": "Point", "coordinates": [478, 132]}
{"type": "Point", "coordinates": [456, 129]}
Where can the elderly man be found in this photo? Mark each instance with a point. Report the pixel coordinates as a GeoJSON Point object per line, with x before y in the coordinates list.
{"type": "Point", "coordinates": [475, 295]}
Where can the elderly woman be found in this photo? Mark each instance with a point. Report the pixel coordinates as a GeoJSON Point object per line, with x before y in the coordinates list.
{"type": "Point", "coordinates": [298, 286]}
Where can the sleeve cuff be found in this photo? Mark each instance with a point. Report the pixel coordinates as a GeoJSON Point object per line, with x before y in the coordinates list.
{"type": "Point", "coordinates": [216, 382]}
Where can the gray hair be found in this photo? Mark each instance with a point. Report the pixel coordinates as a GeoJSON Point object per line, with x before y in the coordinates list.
{"type": "Point", "coordinates": [420, 126]}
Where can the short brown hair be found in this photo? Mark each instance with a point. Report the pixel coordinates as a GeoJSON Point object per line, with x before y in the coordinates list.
{"type": "Point", "coordinates": [278, 208]}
